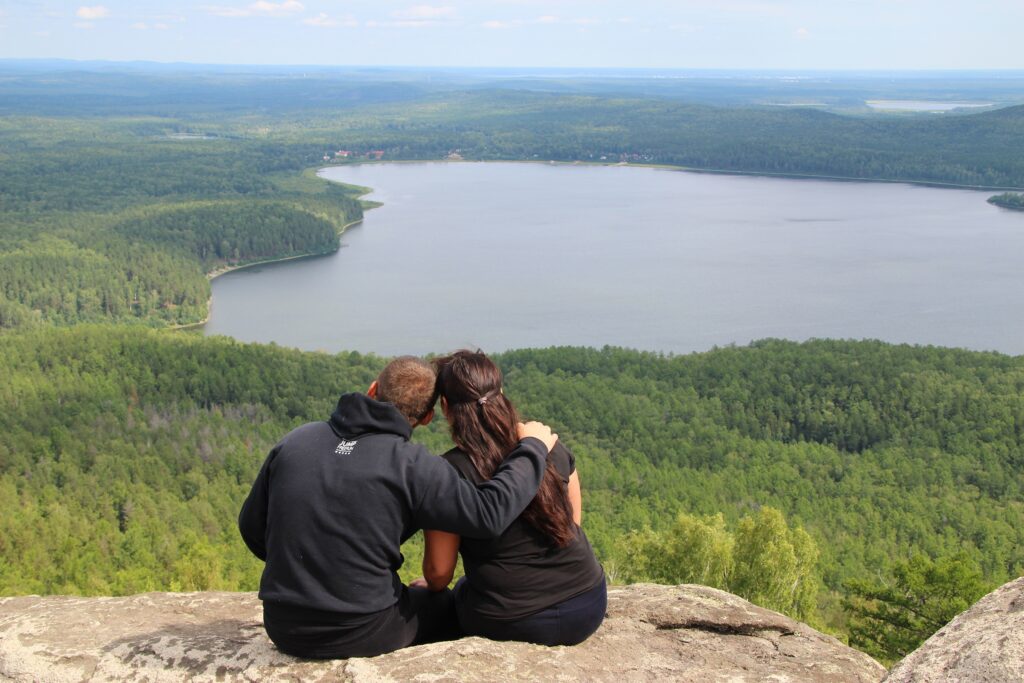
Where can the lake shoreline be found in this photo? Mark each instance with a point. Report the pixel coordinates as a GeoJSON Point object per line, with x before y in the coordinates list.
{"type": "Point", "coordinates": [672, 167]}
{"type": "Point", "coordinates": [224, 270]}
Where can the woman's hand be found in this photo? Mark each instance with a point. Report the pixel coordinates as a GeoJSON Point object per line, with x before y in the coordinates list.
{"type": "Point", "coordinates": [418, 583]}
{"type": "Point", "coordinates": [538, 430]}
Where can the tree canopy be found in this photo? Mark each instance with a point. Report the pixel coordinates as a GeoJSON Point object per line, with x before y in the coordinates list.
{"type": "Point", "coordinates": [125, 454]}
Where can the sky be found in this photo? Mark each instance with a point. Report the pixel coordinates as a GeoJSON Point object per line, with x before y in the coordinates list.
{"type": "Point", "coordinates": [667, 34]}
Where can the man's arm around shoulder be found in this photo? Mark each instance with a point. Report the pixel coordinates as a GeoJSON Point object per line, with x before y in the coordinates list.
{"type": "Point", "coordinates": [442, 500]}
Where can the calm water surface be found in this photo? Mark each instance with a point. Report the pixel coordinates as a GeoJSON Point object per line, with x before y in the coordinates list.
{"type": "Point", "coordinates": [923, 105]}
{"type": "Point", "coordinates": [504, 255]}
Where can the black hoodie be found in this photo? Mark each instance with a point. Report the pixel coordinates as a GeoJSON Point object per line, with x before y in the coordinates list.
{"type": "Point", "coordinates": [334, 501]}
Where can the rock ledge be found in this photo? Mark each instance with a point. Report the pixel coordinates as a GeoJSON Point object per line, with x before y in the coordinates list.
{"type": "Point", "coordinates": [985, 644]}
{"type": "Point", "coordinates": [683, 633]}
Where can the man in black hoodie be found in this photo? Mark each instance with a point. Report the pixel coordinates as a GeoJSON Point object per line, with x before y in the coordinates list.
{"type": "Point", "coordinates": [335, 500]}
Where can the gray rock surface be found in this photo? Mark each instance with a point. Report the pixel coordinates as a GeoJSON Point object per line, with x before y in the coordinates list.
{"type": "Point", "coordinates": [683, 633]}
{"type": "Point", "coordinates": [985, 644]}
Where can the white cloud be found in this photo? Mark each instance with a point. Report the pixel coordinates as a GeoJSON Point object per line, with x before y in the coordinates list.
{"type": "Point", "coordinates": [495, 24]}
{"type": "Point", "coordinates": [424, 13]}
{"type": "Point", "coordinates": [94, 12]}
{"type": "Point", "coordinates": [261, 8]}
{"type": "Point", "coordinates": [762, 7]}
{"type": "Point", "coordinates": [802, 33]}
{"type": "Point", "coordinates": [143, 26]}
{"type": "Point", "coordinates": [422, 23]}
{"type": "Point", "coordinates": [684, 28]}
{"type": "Point", "coordinates": [550, 19]}
{"type": "Point", "coordinates": [221, 11]}
{"type": "Point", "coordinates": [323, 21]}
{"type": "Point", "coordinates": [417, 16]}
{"type": "Point", "coordinates": [277, 8]}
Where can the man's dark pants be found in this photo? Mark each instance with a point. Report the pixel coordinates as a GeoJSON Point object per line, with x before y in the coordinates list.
{"type": "Point", "coordinates": [419, 616]}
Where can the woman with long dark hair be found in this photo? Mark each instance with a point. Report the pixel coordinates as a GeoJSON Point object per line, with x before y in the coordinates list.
{"type": "Point", "coordinates": [539, 581]}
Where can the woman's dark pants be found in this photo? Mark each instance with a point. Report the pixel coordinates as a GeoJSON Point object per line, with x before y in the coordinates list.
{"type": "Point", "coordinates": [568, 623]}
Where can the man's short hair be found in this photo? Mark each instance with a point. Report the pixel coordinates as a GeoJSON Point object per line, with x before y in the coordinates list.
{"type": "Point", "coordinates": [409, 383]}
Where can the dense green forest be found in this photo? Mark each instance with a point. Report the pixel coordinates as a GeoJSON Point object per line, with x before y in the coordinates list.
{"type": "Point", "coordinates": [125, 453]}
{"type": "Point", "coordinates": [842, 482]}
{"type": "Point", "coordinates": [99, 221]}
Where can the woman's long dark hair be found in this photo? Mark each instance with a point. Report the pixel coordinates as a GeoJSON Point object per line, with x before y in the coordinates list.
{"type": "Point", "coordinates": [483, 424]}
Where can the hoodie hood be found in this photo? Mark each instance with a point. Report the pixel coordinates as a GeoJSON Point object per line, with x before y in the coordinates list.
{"type": "Point", "coordinates": [358, 414]}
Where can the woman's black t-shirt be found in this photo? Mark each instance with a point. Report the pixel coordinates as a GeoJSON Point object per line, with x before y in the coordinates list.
{"type": "Point", "coordinates": [521, 572]}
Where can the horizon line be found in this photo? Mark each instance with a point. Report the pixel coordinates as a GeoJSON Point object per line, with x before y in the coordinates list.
{"type": "Point", "coordinates": [456, 67]}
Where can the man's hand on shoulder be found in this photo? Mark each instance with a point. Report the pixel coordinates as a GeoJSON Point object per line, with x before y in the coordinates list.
{"type": "Point", "coordinates": [540, 431]}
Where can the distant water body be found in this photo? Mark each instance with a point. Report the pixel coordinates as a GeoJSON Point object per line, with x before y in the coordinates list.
{"type": "Point", "coordinates": [924, 105]}
{"type": "Point", "coordinates": [512, 255]}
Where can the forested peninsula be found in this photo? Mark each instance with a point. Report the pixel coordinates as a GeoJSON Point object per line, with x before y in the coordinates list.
{"type": "Point", "coordinates": [1008, 200]}
{"type": "Point", "coordinates": [869, 489]}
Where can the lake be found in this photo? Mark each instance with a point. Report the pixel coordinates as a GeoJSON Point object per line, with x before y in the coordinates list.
{"type": "Point", "coordinates": [924, 105]}
{"type": "Point", "coordinates": [512, 255]}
